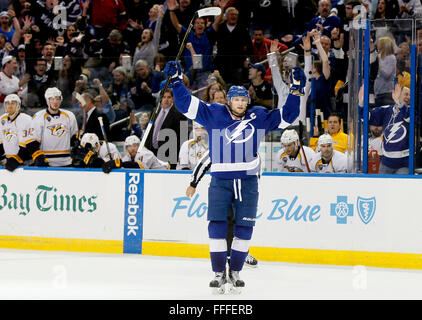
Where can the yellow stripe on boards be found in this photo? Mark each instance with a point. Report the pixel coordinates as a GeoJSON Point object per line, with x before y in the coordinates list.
{"type": "Point", "coordinates": [171, 249]}
{"type": "Point", "coordinates": [60, 244]}
{"type": "Point", "coordinates": [292, 255]}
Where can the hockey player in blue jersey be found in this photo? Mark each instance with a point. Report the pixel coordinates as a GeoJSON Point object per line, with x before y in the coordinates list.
{"type": "Point", "coordinates": [235, 133]}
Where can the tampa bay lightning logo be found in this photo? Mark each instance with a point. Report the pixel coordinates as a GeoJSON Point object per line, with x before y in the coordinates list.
{"type": "Point", "coordinates": [395, 132]}
{"type": "Point", "coordinates": [366, 208]}
{"type": "Point", "coordinates": [238, 129]}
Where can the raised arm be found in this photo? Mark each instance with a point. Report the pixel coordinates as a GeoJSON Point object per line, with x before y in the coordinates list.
{"type": "Point", "coordinates": [173, 5]}
{"type": "Point", "coordinates": [326, 70]}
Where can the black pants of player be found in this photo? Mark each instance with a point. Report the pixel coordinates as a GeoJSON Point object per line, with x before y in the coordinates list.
{"type": "Point", "coordinates": [230, 231]}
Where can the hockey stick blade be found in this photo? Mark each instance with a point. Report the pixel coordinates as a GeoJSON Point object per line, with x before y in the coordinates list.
{"type": "Point", "coordinates": [80, 99]}
{"type": "Point", "coordinates": [211, 11]}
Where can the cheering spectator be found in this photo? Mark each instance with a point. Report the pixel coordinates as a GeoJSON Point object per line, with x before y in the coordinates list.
{"type": "Point", "coordinates": [261, 46]}
{"type": "Point", "coordinates": [202, 40]}
{"type": "Point", "coordinates": [146, 82]}
{"type": "Point", "coordinates": [234, 46]}
{"type": "Point", "coordinates": [108, 15]}
{"type": "Point", "coordinates": [260, 91]}
{"type": "Point", "coordinates": [394, 120]}
{"type": "Point", "coordinates": [384, 82]}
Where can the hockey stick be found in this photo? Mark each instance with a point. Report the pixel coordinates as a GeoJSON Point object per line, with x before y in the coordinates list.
{"type": "Point", "coordinates": [212, 11]}
{"type": "Point", "coordinates": [301, 145]}
{"type": "Point", "coordinates": [282, 54]}
{"type": "Point", "coordinates": [83, 104]}
{"type": "Point", "coordinates": [100, 119]}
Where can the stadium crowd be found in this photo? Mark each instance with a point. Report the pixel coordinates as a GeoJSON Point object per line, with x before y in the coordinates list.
{"type": "Point", "coordinates": [92, 70]}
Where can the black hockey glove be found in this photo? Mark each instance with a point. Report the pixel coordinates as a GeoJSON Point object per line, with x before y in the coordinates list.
{"type": "Point", "coordinates": [110, 165]}
{"type": "Point", "coordinates": [11, 164]}
{"type": "Point", "coordinates": [41, 161]}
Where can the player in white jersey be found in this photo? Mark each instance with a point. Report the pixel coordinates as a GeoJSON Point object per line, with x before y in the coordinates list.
{"type": "Point", "coordinates": [14, 131]}
{"type": "Point", "coordinates": [143, 159]}
{"type": "Point", "coordinates": [91, 153]}
{"type": "Point", "coordinates": [291, 157]}
{"type": "Point", "coordinates": [53, 129]}
{"type": "Point", "coordinates": [328, 160]}
{"type": "Point", "coordinates": [192, 150]}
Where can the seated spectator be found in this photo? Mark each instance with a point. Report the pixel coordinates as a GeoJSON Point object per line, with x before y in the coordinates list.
{"type": "Point", "coordinates": [141, 159]}
{"type": "Point", "coordinates": [384, 82]}
{"type": "Point", "coordinates": [394, 120]}
{"type": "Point", "coordinates": [292, 157]}
{"type": "Point", "coordinates": [192, 150]}
{"type": "Point", "coordinates": [260, 91]}
{"type": "Point", "coordinates": [328, 160]}
{"type": "Point", "coordinates": [334, 130]}
{"type": "Point", "coordinates": [144, 84]}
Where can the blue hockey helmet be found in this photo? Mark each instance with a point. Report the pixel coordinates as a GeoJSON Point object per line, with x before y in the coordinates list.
{"type": "Point", "coordinates": [237, 91]}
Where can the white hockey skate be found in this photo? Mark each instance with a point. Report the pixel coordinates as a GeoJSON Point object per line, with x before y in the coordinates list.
{"type": "Point", "coordinates": [218, 283]}
{"type": "Point", "coordinates": [235, 283]}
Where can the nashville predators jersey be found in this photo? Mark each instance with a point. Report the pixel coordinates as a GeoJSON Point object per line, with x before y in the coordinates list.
{"type": "Point", "coordinates": [147, 160]}
{"type": "Point", "coordinates": [13, 134]}
{"type": "Point", "coordinates": [299, 163]}
{"type": "Point", "coordinates": [54, 132]}
{"type": "Point", "coordinates": [115, 154]}
{"type": "Point", "coordinates": [337, 164]}
{"type": "Point", "coordinates": [190, 153]}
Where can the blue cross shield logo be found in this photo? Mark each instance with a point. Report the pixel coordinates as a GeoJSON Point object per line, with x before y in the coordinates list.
{"type": "Point", "coordinates": [341, 209]}
{"type": "Point", "coordinates": [366, 208]}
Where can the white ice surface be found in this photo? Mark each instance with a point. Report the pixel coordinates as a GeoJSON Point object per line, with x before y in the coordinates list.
{"type": "Point", "coordinates": [66, 276]}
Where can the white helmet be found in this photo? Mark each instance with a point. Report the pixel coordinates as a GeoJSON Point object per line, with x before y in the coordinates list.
{"type": "Point", "coordinates": [289, 136]}
{"type": "Point", "coordinates": [325, 139]}
{"type": "Point", "coordinates": [132, 140]}
{"type": "Point", "coordinates": [52, 92]}
{"type": "Point", "coordinates": [90, 138]}
{"type": "Point", "coordinates": [13, 97]}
